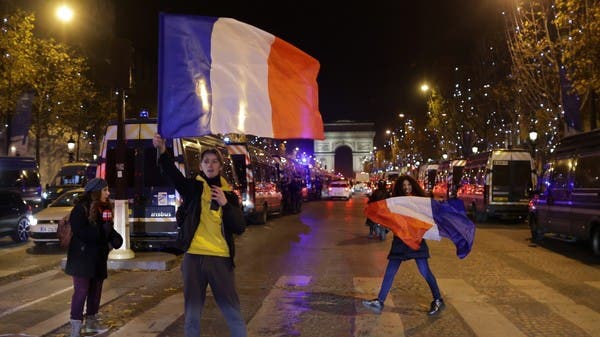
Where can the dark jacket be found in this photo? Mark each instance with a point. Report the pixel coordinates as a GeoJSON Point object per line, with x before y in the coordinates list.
{"type": "Point", "coordinates": [88, 251]}
{"type": "Point", "coordinates": [191, 191]}
{"type": "Point", "coordinates": [401, 251]}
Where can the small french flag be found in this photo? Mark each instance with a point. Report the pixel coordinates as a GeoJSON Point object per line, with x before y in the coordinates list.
{"type": "Point", "coordinates": [220, 76]}
{"type": "Point", "coordinates": [413, 219]}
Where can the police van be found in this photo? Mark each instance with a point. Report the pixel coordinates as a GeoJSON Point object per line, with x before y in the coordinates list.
{"type": "Point", "coordinates": [22, 175]}
{"type": "Point", "coordinates": [498, 184]}
{"type": "Point", "coordinates": [568, 203]}
{"type": "Point", "coordinates": [152, 201]}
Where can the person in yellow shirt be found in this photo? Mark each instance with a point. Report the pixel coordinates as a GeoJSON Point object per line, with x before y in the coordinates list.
{"type": "Point", "coordinates": [211, 216]}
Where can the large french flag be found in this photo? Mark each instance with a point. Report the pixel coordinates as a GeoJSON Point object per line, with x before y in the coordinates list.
{"type": "Point", "coordinates": [413, 219]}
{"type": "Point", "coordinates": [220, 76]}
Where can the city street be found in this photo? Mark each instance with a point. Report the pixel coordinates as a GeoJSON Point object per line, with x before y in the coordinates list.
{"type": "Point", "coordinates": [306, 275]}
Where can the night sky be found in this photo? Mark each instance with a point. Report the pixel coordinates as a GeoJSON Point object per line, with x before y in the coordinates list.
{"type": "Point", "coordinates": [373, 55]}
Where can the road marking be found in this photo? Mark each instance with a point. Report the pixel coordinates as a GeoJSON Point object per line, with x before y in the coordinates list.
{"type": "Point", "coordinates": [482, 317]}
{"type": "Point", "coordinates": [281, 308]}
{"type": "Point", "coordinates": [7, 272]}
{"type": "Point", "coordinates": [370, 324]}
{"type": "Point", "coordinates": [595, 284]}
{"type": "Point", "coordinates": [580, 315]}
{"type": "Point", "coordinates": [25, 305]}
{"type": "Point", "coordinates": [27, 280]}
{"type": "Point", "coordinates": [62, 318]}
{"type": "Point", "coordinates": [153, 321]}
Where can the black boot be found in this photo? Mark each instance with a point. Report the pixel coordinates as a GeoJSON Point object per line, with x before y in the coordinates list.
{"type": "Point", "coordinates": [437, 305]}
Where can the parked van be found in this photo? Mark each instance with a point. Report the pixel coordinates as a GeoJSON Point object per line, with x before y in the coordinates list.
{"type": "Point", "coordinates": [258, 176]}
{"type": "Point", "coordinates": [498, 184]}
{"type": "Point", "coordinates": [569, 200]}
{"type": "Point", "coordinates": [152, 201]}
{"type": "Point", "coordinates": [70, 176]}
{"type": "Point", "coordinates": [22, 175]}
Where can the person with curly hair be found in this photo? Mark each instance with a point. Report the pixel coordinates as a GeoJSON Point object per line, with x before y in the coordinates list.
{"type": "Point", "coordinates": [407, 186]}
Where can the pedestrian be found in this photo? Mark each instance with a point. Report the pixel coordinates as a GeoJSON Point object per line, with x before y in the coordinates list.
{"type": "Point", "coordinates": [211, 218]}
{"type": "Point", "coordinates": [407, 186]}
{"type": "Point", "coordinates": [87, 255]}
{"type": "Point", "coordinates": [375, 230]}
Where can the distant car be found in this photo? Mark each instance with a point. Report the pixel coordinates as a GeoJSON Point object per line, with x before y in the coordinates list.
{"type": "Point", "coordinates": [15, 216]}
{"type": "Point", "coordinates": [45, 222]}
{"type": "Point", "coordinates": [339, 189]}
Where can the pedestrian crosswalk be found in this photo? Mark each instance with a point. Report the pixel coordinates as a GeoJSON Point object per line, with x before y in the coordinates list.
{"type": "Point", "coordinates": [284, 310]}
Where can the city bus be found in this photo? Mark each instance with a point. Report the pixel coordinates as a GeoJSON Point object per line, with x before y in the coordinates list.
{"type": "Point", "coordinates": [498, 184]}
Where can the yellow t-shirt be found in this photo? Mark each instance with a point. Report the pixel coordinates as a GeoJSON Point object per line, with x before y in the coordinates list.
{"type": "Point", "coordinates": [209, 238]}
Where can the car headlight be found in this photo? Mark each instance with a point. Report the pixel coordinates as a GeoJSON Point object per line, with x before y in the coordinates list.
{"type": "Point", "coordinates": [32, 220]}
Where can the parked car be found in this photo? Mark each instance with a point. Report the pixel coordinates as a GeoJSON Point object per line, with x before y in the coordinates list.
{"type": "Point", "coordinates": [45, 222]}
{"type": "Point", "coordinates": [15, 216]}
{"type": "Point", "coordinates": [339, 189]}
{"type": "Point", "coordinates": [569, 200]}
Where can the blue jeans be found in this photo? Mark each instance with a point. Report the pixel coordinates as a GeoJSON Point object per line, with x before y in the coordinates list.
{"type": "Point", "coordinates": [391, 270]}
{"type": "Point", "coordinates": [198, 272]}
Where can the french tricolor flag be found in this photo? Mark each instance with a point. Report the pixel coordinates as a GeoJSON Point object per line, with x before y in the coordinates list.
{"type": "Point", "coordinates": [413, 219]}
{"type": "Point", "coordinates": [220, 76]}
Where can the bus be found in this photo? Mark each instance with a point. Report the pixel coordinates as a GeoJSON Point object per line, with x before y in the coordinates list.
{"type": "Point", "coordinates": [498, 184]}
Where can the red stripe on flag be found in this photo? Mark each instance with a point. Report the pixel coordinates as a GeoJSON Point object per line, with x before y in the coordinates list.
{"type": "Point", "coordinates": [294, 93]}
{"type": "Point", "coordinates": [408, 229]}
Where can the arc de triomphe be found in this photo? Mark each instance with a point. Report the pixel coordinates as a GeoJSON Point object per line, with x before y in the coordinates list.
{"type": "Point", "coordinates": [358, 136]}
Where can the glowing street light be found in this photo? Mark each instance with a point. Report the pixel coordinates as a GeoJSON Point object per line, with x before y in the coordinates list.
{"type": "Point", "coordinates": [424, 87]}
{"type": "Point", "coordinates": [64, 13]}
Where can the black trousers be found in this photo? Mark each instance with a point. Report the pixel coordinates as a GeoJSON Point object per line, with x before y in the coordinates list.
{"type": "Point", "coordinates": [198, 272]}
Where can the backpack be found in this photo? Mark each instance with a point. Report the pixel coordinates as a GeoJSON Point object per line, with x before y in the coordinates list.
{"type": "Point", "coordinates": [63, 232]}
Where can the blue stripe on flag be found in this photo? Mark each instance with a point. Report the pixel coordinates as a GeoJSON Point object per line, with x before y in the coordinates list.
{"type": "Point", "coordinates": [454, 224]}
{"type": "Point", "coordinates": [184, 62]}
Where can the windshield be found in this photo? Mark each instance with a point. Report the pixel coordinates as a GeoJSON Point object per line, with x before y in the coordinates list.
{"type": "Point", "coordinates": [66, 199]}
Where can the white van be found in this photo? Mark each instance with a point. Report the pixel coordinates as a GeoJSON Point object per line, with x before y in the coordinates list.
{"type": "Point", "coordinates": [498, 184]}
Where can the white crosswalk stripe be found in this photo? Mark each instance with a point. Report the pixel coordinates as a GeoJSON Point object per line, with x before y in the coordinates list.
{"type": "Point", "coordinates": [284, 311]}
{"type": "Point", "coordinates": [373, 325]}
{"type": "Point", "coordinates": [580, 315]}
{"type": "Point", "coordinates": [153, 321]}
{"type": "Point", "coordinates": [279, 309]}
{"type": "Point", "coordinates": [595, 284]}
{"type": "Point", "coordinates": [482, 317]}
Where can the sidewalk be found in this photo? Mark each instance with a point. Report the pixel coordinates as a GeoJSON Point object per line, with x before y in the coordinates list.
{"type": "Point", "coordinates": [141, 261]}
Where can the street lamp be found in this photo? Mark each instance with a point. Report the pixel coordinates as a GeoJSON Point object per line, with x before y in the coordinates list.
{"type": "Point", "coordinates": [70, 148]}
{"type": "Point", "coordinates": [475, 149]}
{"type": "Point", "coordinates": [64, 13]}
{"type": "Point", "coordinates": [532, 138]}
